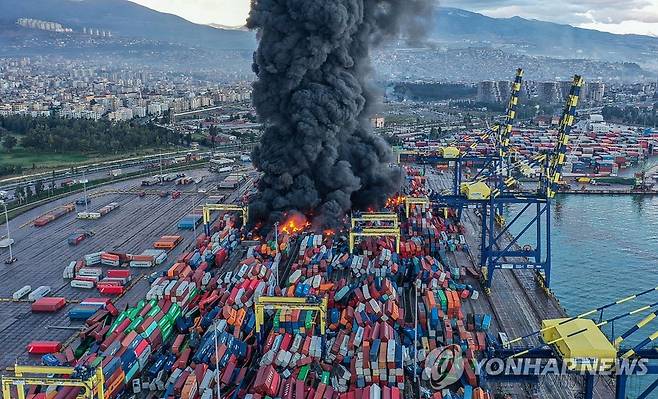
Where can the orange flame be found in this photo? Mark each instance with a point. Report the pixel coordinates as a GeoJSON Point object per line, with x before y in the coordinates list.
{"type": "Point", "coordinates": [329, 232]}
{"type": "Point", "coordinates": [395, 201]}
{"type": "Point", "coordinates": [294, 224]}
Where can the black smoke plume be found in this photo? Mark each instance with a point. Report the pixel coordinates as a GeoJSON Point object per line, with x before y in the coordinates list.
{"type": "Point", "coordinates": [318, 153]}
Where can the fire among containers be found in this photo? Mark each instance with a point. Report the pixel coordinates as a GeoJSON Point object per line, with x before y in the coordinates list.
{"type": "Point", "coordinates": [197, 325]}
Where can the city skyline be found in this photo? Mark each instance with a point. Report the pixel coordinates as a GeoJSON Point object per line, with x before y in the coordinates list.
{"type": "Point", "coordinates": [635, 17]}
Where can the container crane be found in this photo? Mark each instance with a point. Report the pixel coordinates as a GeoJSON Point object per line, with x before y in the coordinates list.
{"type": "Point", "coordinates": [91, 381]}
{"type": "Point", "coordinates": [579, 343]}
{"type": "Point", "coordinates": [490, 165]}
{"type": "Point", "coordinates": [208, 208]}
{"type": "Point", "coordinates": [496, 254]}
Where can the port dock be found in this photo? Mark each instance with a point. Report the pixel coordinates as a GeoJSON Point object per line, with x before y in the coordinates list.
{"type": "Point", "coordinates": [519, 304]}
{"type": "Point", "coordinates": [43, 252]}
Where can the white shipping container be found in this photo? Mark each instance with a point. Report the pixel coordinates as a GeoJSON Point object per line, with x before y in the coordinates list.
{"type": "Point", "coordinates": [110, 262]}
{"type": "Point", "coordinates": [82, 284]}
{"type": "Point", "coordinates": [69, 271]}
{"type": "Point", "coordinates": [90, 272]}
{"type": "Point", "coordinates": [141, 263]}
{"type": "Point", "coordinates": [93, 259]}
{"type": "Point", "coordinates": [22, 292]}
{"type": "Point", "coordinates": [39, 293]}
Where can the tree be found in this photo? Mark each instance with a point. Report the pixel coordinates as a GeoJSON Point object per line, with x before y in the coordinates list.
{"type": "Point", "coordinates": [188, 139]}
{"type": "Point", "coordinates": [213, 135]}
{"type": "Point", "coordinates": [38, 188]}
{"type": "Point", "coordinates": [18, 193]}
{"type": "Point", "coordinates": [9, 142]}
{"type": "Point", "coordinates": [28, 193]}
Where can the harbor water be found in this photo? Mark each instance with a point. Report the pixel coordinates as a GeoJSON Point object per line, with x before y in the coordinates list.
{"type": "Point", "coordinates": [606, 248]}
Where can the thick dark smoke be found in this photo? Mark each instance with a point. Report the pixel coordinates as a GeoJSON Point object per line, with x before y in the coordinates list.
{"type": "Point", "coordinates": [318, 153]}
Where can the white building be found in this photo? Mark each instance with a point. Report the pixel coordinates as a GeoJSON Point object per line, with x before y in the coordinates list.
{"type": "Point", "coordinates": [139, 112]}
{"type": "Point", "coordinates": [154, 109]}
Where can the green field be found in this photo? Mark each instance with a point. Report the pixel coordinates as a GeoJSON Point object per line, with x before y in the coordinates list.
{"type": "Point", "coordinates": [27, 159]}
{"type": "Point", "coordinates": [34, 161]}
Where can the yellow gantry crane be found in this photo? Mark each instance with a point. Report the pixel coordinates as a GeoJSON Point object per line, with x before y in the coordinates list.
{"type": "Point", "coordinates": [264, 303]}
{"type": "Point", "coordinates": [409, 201]}
{"type": "Point", "coordinates": [93, 386]}
{"type": "Point", "coordinates": [375, 232]}
{"type": "Point", "coordinates": [359, 230]}
{"type": "Point", "coordinates": [208, 208]}
{"type": "Point", "coordinates": [372, 217]}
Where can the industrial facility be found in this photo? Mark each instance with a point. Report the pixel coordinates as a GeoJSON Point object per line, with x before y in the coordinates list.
{"type": "Point", "coordinates": [172, 291]}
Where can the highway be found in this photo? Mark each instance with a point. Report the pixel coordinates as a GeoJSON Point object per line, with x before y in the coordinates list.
{"type": "Point", "coordinates": [43, 252]}
{"type": "Point", "coordinates": [102, 169]}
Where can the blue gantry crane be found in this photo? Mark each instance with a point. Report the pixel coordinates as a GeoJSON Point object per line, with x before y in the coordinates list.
{"type": "Point", "coordinates": [488, 165]}
{"type": "Point", "coordinates": [502, 248]}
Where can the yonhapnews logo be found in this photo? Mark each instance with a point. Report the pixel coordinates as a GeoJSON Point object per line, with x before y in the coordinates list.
{"type": "Point", "coordinates": [443, 366]}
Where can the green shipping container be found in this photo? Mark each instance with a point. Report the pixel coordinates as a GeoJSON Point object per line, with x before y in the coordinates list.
{"type": "Point", "coordinates": [131, 373]}
{"type": "Point", "coordinates": [149, 330]}
{"type": "Point", "coordinates": [277, 316]}
{"type": "Point", "coordinates": [122, 316]}
{"type": "Point", "coordinates": [154, 311]}
{"type": "Point", "coordinates": [309, 320]}
{"type": "Point", "coordinates": [303, 373]}
{"type": "Point", "coordinates": [134, 324]}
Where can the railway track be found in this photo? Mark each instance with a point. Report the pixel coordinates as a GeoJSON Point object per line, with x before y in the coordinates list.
{"type": "Point", "coordinates": [43, 253]}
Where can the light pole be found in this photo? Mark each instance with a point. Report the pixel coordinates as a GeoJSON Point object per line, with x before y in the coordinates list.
{"type": "Point", "coordinates": [194, 222]}
{"type": "Point", "coordinates": [219, 393]}
{"type": "Point", "coordinates": [84, 187]}
{"type": "Point", "coordinates": [161, 168]}
{"type": "Point", "coordinates": [416, 334]}
{"type": "Point", "coordinates": [11, 254]}
{"type": "Point", "coordinates": [276, 240]}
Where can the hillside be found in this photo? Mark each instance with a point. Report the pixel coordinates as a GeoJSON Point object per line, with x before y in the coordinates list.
{"type": "Point", "coordinates": [124, 18]}
{"type": "Point", "coordinates": [145, 35]}
{"type": "Point", "coordinates": [460, 28]}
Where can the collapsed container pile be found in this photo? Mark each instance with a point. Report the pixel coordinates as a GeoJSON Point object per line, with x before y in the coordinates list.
{"type": "Point", "coordinates": [196, 327]}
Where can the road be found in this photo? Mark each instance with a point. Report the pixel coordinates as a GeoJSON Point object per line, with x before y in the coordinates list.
{"type": "Point", "coordinates": [43, 252]}
{"type": "Point", "coordinates": [102, 169]}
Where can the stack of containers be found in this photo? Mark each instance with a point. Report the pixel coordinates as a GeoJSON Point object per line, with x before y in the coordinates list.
{"type": "Point", "coordinates": [168, 242]}
{"type": "Point", "coordinates": [87, 277]}
{"type": "Point", "coordinates": [115, 282]}
{"type": "Point", "coordinates": [363, 352]}
{"type": "Point", "coordinates": [168, 339]}
{"type": "Point", "coordinates": [108, 208]}
{"type": "Point", "coordinates": [48, 304]}
{"type": "Point", "coordinates": [441, 320]}
{"type": "Point", "coordinates": [53, 215]}
{"type": "Point", "coordinates": [149, 258]}
{"type": "Point", "coordinates": [429, 231]}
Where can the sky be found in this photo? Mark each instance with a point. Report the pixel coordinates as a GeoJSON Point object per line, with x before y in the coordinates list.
{"type": "Point", "coordinates": [617, 16]}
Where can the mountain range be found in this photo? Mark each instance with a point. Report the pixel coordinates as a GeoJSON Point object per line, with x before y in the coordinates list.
{"type": "Point", "coordinates": [127, 19]}
{"type": "Point", "coordinates": [460, 28]}
{"type": "Point", "coordinates": [454, 28]}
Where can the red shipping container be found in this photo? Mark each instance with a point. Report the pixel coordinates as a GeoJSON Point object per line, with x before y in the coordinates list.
{"type": "Point", "coordinates": [43, 347]}
{"type": "Point", "coordinates": [111, 289]}
{"type": "Point", "coordinates": [118, 273]}
{"type": "Point", "coordinates": [48, 304]}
